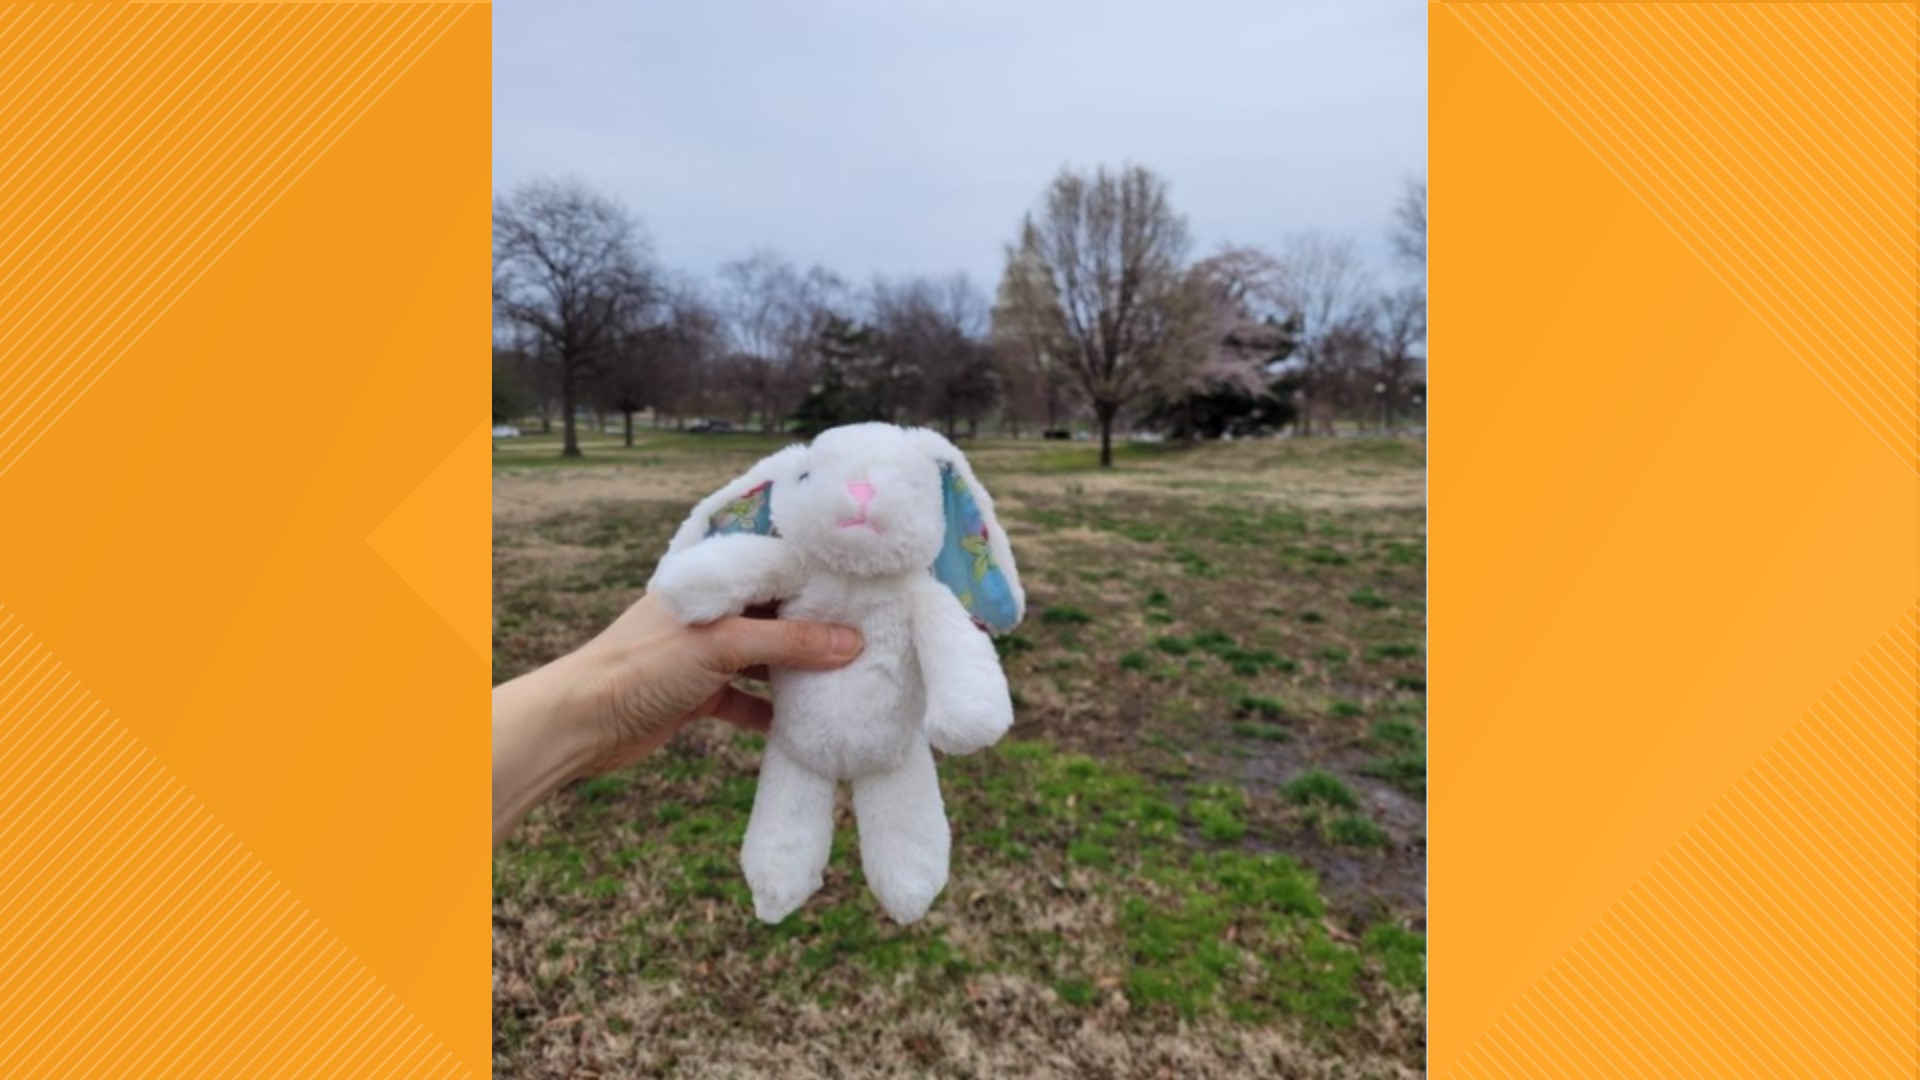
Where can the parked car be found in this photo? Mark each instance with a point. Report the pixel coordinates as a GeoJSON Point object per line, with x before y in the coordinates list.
{"type": "Point", "coordinates": [702, 427]}
{"type": "Point", "coordinates": [505, 431]}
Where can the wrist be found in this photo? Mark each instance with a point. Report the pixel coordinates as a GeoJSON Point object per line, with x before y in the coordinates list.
{"type": "Point", "coordinates": [539, 745]}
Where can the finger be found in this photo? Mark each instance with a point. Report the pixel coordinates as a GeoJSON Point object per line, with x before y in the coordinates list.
{"type": "Point", "coordinates": [738, 643]}
{"type": "Point", "coordinates": [758, 671]}
{"type": "Point", "coordinates": [741, 709]}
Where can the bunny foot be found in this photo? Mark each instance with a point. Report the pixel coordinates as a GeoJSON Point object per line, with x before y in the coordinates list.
{"type": "Point", "coordinates": [904, 840]}
{"type": "Point", "coordinates": [778, 892]}
{"type": "Point", "coordinates": [788, 837]}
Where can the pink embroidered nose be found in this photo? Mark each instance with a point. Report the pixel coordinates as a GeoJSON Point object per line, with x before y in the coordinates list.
{"type": "Point", "coordinates": [862, 492]}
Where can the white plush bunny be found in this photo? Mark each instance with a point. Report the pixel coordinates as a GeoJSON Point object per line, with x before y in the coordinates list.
{"type": "Point", "coordinates": [883, 528]}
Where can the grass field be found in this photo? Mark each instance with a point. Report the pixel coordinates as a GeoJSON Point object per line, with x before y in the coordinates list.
{"type": "Point", "coordinates": [1201, 852]}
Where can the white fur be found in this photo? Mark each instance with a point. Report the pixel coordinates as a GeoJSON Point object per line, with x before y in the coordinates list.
{"type": "Point", "coordinates": [927, 676]}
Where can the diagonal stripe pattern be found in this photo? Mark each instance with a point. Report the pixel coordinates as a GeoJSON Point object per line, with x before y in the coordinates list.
{"type": "Point", "coordinates": [1776, 937]}
{"type": "Point", "coordinates": [1777, 141]}
{"type": "Point", "coordinates": [138, 936]}
{"type": "Point", "coordinates": [138, 143]}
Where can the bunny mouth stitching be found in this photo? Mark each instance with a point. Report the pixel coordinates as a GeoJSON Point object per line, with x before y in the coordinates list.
{"type": "Point", "coordinates": [848, 523]}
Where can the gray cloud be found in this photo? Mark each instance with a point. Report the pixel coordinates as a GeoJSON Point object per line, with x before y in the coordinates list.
{"type": "Point", "coordinates": [871, 136]}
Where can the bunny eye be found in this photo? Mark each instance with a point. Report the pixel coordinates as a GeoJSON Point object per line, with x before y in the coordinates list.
{"type": "Point", "coordinates": [803, 476]}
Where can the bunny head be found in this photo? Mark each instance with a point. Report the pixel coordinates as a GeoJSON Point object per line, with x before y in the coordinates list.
{"type": "Point", "coordinates": [869, 500]}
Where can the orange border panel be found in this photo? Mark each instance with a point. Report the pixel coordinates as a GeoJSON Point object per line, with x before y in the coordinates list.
{"type": "Point", "coordinates": [1674, 513]}
{"type": "Point", "coordinates": [242, 571]}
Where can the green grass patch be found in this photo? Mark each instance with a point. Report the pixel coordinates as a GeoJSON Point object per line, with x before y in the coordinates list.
{"type": "Point", "coordinates": [1396, 734]}
{"type": "Point", "coordinates": [1011, 645]}
{"type": "Point", "coordinates": [1319, 786]}
{"type": "Point", "coordinates": [1076, 992]}
{"type": "Point", "coordinates": [1365, 597]}
{"type": "Point", "coordinates": [1406, 771]}
{"type": "Point", "coordinates": [1216, 642]}
{"type": "Point", "coordinates": [1402, 955]}
{"type": "Point", "coordinates": [1393, 651]}
{"type": "Point", "coordinates": [1063, 615]}
{"type": "Point", "coordinates": [1219, 812]}
{"type": "Point", "coordinates": [601, 789]}
{"type": "Point", "coordinates": [1353, 830]}
{"type": "Point", "coordinates": [1317, 979]}
{"type": "Point", "coordinates": [1261, 705]}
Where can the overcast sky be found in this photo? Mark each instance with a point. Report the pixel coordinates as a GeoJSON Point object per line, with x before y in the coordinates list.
{"type": "Point", "coordinates": [901, 137]}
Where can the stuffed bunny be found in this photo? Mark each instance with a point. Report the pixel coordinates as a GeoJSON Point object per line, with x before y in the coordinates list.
{"type": "Point", "coordinates": [883, 528]}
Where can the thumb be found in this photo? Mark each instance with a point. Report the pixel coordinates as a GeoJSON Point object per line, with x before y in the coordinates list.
{"type": "Point", "coordinates": [739, 643]}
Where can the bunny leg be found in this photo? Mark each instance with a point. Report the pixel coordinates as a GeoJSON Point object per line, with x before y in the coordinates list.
{"type": "Point", "coordinates": [904, 839]}
{"type": "Point", "coordinates": [789, 835]}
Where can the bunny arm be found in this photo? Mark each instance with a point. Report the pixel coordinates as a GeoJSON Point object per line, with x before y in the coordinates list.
{"type": "Point", "coordinates": [968, 704]}
{"type": "Point", "coordinates": [726, 575]}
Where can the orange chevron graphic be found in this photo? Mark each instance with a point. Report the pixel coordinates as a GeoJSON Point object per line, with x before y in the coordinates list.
{"type": "Point", "coordinates": [140, 142]}
{"type": "Point", "coordinates": [1777, 141]}
{"type": "Point", "coordinates": [412, 540]}
{"type": "Point", "coordinates": [142, 937]}
{"type": "Point", "coordinates": [238, 324]}
{"type": "Point", "coordinates": [1776, 937]}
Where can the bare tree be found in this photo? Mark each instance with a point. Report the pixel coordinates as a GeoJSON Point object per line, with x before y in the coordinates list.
{"type": "Point", "coordinates": [936, 361]}
{"type": "Point", "coordinates": [1103, 278]}
{"type": "Point", "coordinates": [572, 267]}
{"type": "Point", "coordinates": [1399, 339]}
{"type": "Point", "coordinates": [1402, 315]}
{"type": "Point", "coordinates": [1330, 292]}
{"type": "Point", "coordinates": [1409, 229]}
{"type": "Point", "coordinates": [962, 383]}
{"type": "Point", "coordinates": [691, 345]}
{"type": "Point", "coordinates": [773, 313]}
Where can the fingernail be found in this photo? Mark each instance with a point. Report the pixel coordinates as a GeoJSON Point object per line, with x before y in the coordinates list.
{"type": "Point", "coordinates": [845, 641]}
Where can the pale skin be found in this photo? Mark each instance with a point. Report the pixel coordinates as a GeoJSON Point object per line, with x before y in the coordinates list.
{"type": "Point", "coordinates": [624, 694]}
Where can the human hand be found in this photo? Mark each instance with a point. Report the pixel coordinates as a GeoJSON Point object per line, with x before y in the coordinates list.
{"type": "Point", "coordinates": [623, 694]}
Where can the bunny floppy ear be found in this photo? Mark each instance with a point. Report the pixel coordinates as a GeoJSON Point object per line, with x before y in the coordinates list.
{"type": "Point", "coordinates": [975, 560]}
{"type": "Point", "coordinates": [743, 506]}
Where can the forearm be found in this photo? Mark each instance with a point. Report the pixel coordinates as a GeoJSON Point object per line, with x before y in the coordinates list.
{"type": "Point", "coordinates": [535, 751]}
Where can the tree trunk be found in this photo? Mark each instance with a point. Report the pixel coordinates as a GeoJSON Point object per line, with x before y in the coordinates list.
{"type": "Point", "coordinates": [626, 417]}
{"type": "Point", "coordinates": [570, 440]}
{"type": "Point", "coordinates": [1105, 413]}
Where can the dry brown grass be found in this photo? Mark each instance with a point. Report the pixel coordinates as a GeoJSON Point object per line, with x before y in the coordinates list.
{"type": "Point", "coordinates": [1205, 626]}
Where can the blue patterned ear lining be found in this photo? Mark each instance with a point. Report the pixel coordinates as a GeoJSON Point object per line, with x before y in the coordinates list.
{"type": "Point", "coordinates": [965, 563]}
{"type": "Point", "coordinates": [750, 513]}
